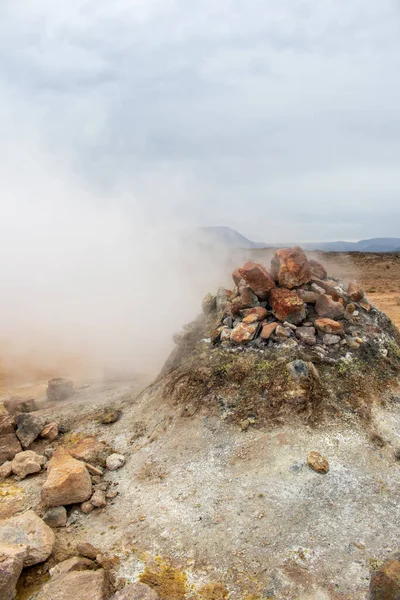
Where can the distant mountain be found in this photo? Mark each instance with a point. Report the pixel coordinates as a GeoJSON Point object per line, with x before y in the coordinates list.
{"type": "Point", "coordinates": [228, 237]}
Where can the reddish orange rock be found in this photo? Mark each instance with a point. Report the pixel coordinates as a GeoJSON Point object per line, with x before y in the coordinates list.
{"type": "Point", "coordinates": [236, 276]}
{"type": "Point", "coordinates": [329, 326]}
{"type": "Point", "coordinates": [385, 582]}
{"type": "Point", "coordinates": [290, 267]}
{"type": "Point", "coordinates": [317, 270]}
{"type": "Point", "coordinates": [243, 333]}
{"type": "Point", "coordinates": [258, 279]}
{"type": "Point", "coordinates": [268, 330]}
{"type": "Point", "coordinates": [287, 306]}
{"type": "Point", "coordinates": [355, 291]}
{"type": "Point", "coordinates": [251, 315]}
{"type": "Point", "coordinates": [327, 307]}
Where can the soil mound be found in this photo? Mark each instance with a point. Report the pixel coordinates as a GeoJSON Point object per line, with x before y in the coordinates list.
{"type": "Point", "coordinates": [284, 342]}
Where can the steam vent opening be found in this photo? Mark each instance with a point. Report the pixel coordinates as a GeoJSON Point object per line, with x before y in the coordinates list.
{"type": "Point", "coordinates": [287, 341]}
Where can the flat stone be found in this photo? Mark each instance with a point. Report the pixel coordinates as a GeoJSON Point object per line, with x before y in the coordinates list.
{"type": "Point", "coordinates": [11, 564]}
{"type": "Point", "coordinates": [59, 388]}
{"type": "Point", "coordinates": [317, 462]}
{"type": "Point", "coordinates": [76, 585]}
{"type": "Point", "coordinates": [20, 405]}
{"type": "Point", "coordinates": [330, 340]}
{"type": "Point", "coordinates": [29, 427]}
{"type": "Point", "coordinates": [258, 279]}
{"type": "Point", "coordinates": [9, 447]}
{"type": "Point", "coordinates": [136, 591]}
{"type": "Point", "coordinates": [27, 462]}
{"type": "Point", "coordinates": [287, 306]}
{"type": "Point", "coordinates": [252, 315]}
{"type": "Point", "coordinates": [90, 450]}
{"type": "Point", "coordinates": [56, 517]}
{"type": "Point", "coordinates": [290, 267]}
{"type": "Point", "coordinates": [68, 481]}
{"type": "Point", "coordinates": [30, 531]}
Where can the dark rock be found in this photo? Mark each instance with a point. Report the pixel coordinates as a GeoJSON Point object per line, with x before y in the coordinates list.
{"type": "Point", "coordinates": [7, 424]}
{"type": "Point", "coordinates": [110, 415]}
{"type": "Point", "coordinates": [29, 427]}
{"type": "Point", "coordinates": [385, 581]}
{"type": "Point", "coordinates": [59, 389]}
{"type": "Point", "coordinates": [56, 517]}
{"type": "Point", "coordinates": [308, 297]}
{"type": "Point", "coordinates": [20, 405]}
{"type": "Point", "coordinates": [209, 304]}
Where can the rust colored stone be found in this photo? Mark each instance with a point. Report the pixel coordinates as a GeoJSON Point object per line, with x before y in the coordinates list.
{"type": "Point", "coordinates": [268, 330]}
{"type": "Point", "coordinates": [317, 462]}
{"type": "Point", "coordinates": [287, 306]}
{"type": "Point", "coordinates": [290, 267]}
{"type": "Point", "coordinates": [355, 291]}
{"type": "Point", "coordinates": [258, 279]}
{"type": "Point", "coordinates": [252, 315]}
{"type": "Point", "coordinates": [329, 326]}
{"type": "Point", "coordinates": [243, 333]}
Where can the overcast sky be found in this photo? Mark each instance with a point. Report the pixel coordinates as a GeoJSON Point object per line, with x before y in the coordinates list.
{"type": "Point", "coordinates": [278, 118]}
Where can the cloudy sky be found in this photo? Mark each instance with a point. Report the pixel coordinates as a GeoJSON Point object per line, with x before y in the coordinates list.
{"type": "Point", "coordinates": [281, 119]}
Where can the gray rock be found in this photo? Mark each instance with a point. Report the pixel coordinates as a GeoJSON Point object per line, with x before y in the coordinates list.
{"type": "Point", "coordinates": [282, 332]}
{"type": "Point", "coordinates": [20, 405]}
{"type": "Point", "coordinates": [329, 339]}
{"type": "Point", "coordinates": [59, 389]}
{"type": "Point", "coordinates": [136, 591]}
{"type": "Point", "coordinates": [56, 517]}
{"type": "Point", "coordinates": [30, 531]}
{"type": "Point", "coordinates": [29, 427]}
{"type": "Point", "coordinates": [9, 447]}
{"type": "Point", "coordinates": [306, 335]}
{"type": "Point", "coordinates": [11, 563]}
{"type": "Point", "coordinates": [115, 461]}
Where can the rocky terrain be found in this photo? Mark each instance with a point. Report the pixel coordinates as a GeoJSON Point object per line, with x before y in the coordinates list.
{"type": "Point", "coordinates": [263, 462]}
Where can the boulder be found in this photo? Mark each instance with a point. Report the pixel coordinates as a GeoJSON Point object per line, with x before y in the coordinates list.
{"type": "Point", "coordinates": [9, 447]}
{"type": "Point", "coordinates": [29, 427]}
{"type": "Point", "coordinates": [59, 388]}
{"type": "Point", "coordinates": [355, 291]}
{"type": "Point", "coordinates": [79, 585]}
{"type": "Point", "coordinates": [267, 330]}
{"type": "Point", "coordinates": [290, 267]}
{"type": "Point", "coordinates": [258, 279]}
{"type": "Point", "coordinates": [30, 531]}
{"type": "Point", "coordinates": [327, 307]}
{"type": "Point", "coordinates": [68, 481]}
{"type": "Point", "coordinates": [27, 462]}
{"type": "Point", "coordinates": [11, 564]}
{"type": "Point", "coordinates": [50, 432]}
{"type": "Point", "coordinates": [56, 517]}
{"type": "Point", "coordinates": [385, 581]}
{"type": "Point", "coordinates": [317, 462]}
{"type": "Point", "coordinates": [329, 326]}
{"type": "Point", "coordinates": [115, 461]}
{"type": "Point", "coordinates": [20, 405]}
{"type": "Point", "coordinates": [136, 591]}
{"type": "Point", "coordinates": [317, 270]}
{"type": "Point", "coordinates": [243, 333]}
{"type": "Point", "coordinates": [252, 315]}
{"type": "Point", "coordinates": [306, 335]}
{"type": "Point", "coordinates": [287, 306]}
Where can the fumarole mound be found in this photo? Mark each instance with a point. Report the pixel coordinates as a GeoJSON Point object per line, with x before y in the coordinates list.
{"type": "Point", "coordinates": [284, 342]}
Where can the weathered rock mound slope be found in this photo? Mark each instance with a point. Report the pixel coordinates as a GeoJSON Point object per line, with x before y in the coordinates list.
{"type": "Point", "coordinates": [284, 342]}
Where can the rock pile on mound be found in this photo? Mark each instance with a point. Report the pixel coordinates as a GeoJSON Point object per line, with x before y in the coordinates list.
{"type": "Point", "coordinates": [285, 339]}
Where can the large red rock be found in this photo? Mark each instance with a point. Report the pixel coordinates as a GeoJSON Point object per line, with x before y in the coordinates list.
{"type": "Point", "coordinates": [287, 306]}
{"type": "Point", "coordinates": [317, 270]}
{"type": "Point", "coordinates": [290, 267]}
{"type": "Point", "coordinates": [258, 279]}
{"type": "Point", "coordinates": [327, 307]}
{"type": "Point", "coordinates": [329, 326]}
{"type": "Point", "coordinates": [385, 582]}
{"type": "Point", "coordinates": [68, 481]}
{"type": "Point", "coordinates": [355, 291]}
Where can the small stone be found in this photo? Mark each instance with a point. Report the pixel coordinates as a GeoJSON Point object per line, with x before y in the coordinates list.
{"type": "Point", "coordinates": [68, 481]}
{"type": "Point", "coordinates": [309, 297]}
{"type": "Point", "coordinates": [56, 517]}
{"type": "Point", "coordinates": [98, 499]}
{"type": "Point", "coordinates": [258, 279]}
{"type": "Point", "coordinates": [298, 369]}
{"type": "Point", "coordinates": [111, 495]}
{"type": "Point", "coordinates": [317, 462]}
{"type": "Point", "coordinates": [30, 531]}
{"type": "Point", "coordinates": [306, 335]}
{"type": "Point", "coordinates": [110, 415]}
{"type": "Point", "coordinates": [9, 447]}
{"type": "Point", "coordinates": [246, 299]}
{"type": "Point", "coordinates": [385, 581]}
{"type": "Point", "coordinates": [290, 325]}
{"type": "Point", "coordinates": [77, 585]}
{"type": "Point", "coordinates": [254, 317]}
{"type": "Point", "coordinates": [75, 563]}
{"type": "Point", "coordinates": [87, 507]}
{"type": "Point", "coordinates": [20, 405]}
{"type": "Point", "coordinates": [29, 427]}
{"type": "Point", "coordinates": [352, 343]}
{"type": "Point", "coordinates": [103, 486]}
{"type": "Point", "coordinates": [5, 470]}
{"type": "Point", "coordinates": [268, 330]}
{"type": "Point", "coordinates": [59, 389]}
{"type": "Point", "coordinates": [330, 340]}
{"type": "Point", "coordinates": [115, 461]}
{"type": "Point", "coordinates": [96, 471]}
{"type": "Point", "coordinates": [329, 326]}
{"type": "Point", "coordinates": [26, 463]}
{"type": "Point", "coordinates": [327, 307]}
{"type": "Point", "coordinates": [355, 291]}
{"type": "Point", "coordinates": [225, 334]}
{"type": "Point", "coordinates": [282, 332]}
{"type": "Point", "coordinates": [358, 340]}
{"type": "Point", "coordinates": [287, 306]}
{"type": "Point", "coordinates": [138, 591]}
{"type": "Point", "coordinates": [11, 563]}
{"type": "Point", "coordinates": [290, 267]}
{"type": "Point", "coordinates": [50, 432]}
{"type": "Point", "coordinates": [7, 424]}
{"type": "Point", "coordinates": [87, 550]}
{"type": "Point", "coordinates": [243, 333]}
{"type": "Point", "coordinates": [244, 425]}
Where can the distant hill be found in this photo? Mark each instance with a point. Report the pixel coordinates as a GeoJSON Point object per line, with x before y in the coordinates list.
{"type": "Point", "coordinates": [226, 236]}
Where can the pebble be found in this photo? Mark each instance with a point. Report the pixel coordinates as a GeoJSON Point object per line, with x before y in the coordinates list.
{"type": "Point", "coordinates": [115, 461]}
{"type": "Point", "coordinates": [317, 462]}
